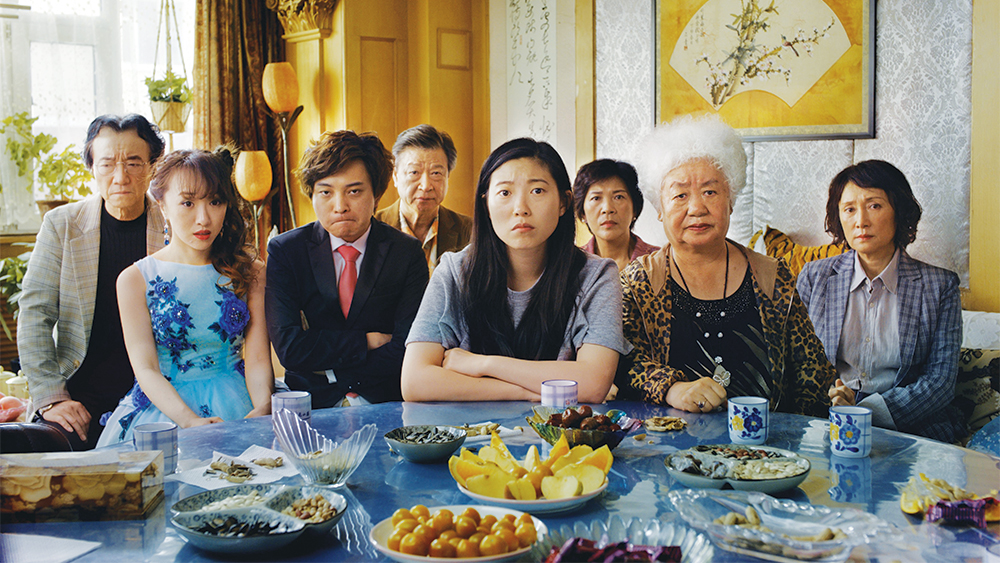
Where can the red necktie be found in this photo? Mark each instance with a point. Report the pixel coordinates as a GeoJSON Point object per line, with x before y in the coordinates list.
{"type": "Point", "coordinates": [348, 278]}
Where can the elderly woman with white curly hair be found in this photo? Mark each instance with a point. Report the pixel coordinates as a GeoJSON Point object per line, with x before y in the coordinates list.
{"type": "Point", "coordinates": [708, 317]}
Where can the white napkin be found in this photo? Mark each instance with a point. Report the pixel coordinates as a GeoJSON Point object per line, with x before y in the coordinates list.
{"type": "Point", "coordinates": [198, 478]}
{"type": "Point", "coordinates": [26, 548]}
{"type": "Point", "coordinates": [503, 431]}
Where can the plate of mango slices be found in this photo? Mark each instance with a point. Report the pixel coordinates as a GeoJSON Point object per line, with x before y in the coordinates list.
{"type": "Point", "coordinates": [566, 479]}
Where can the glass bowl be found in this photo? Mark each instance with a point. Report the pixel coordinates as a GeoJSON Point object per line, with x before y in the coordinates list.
{"type": "Point", "coordinates": [576, 436]}
{"type": "Point", "coordinates": [695, 547]}
{"type": "Point", "coordinates": [405, 441]}
{"type": "Point", "coordinates": [791, 530]}
{"type": "Point", "coordinates": [321, 461]}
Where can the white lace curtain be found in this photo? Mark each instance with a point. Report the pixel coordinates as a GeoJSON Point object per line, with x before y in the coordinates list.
{"type": "Point", "coordinates": [68, 61]}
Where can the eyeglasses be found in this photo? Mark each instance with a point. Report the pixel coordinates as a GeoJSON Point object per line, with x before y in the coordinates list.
{"type": "Point", "coordinates": [132, 168]}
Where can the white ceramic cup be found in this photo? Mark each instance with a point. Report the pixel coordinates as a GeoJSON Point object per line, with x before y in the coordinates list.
{"type": "Point", "coordinates": [299, 402]}
{"type": "Point", "coordinates": [158, 436]}
{"type": "Point", "coordinates": [559, 393]}
{"type": "Point", "coordinates": [748, 420]}
{"type": "Point", "coordinates": [850, 431]}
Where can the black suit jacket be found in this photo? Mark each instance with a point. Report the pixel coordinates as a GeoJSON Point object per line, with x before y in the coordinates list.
{"type": "Point", "coordinates": [308, 329]}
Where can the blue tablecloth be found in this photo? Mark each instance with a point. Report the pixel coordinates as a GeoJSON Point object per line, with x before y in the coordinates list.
{"type": "Point", "coordinates": [638, 482]}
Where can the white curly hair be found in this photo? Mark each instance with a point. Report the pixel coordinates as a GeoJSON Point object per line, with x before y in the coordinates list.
{"type": "Point", "coordinates": [688, 138]}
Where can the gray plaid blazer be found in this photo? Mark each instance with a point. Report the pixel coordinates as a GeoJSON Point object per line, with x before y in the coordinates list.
{"type": "Point", "coordinates": [930, 335]}
{"type": "Point", "coordinates": [59, 290]}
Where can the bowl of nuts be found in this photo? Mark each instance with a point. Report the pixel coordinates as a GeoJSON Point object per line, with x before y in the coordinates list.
{"type": "Point", "coordinates": [582, 425]}
{"type": "Point", "coordinates": [426, 443]}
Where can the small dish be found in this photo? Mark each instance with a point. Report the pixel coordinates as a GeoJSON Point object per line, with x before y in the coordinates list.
{"type": "Point", "coordinates": [785, 521]}
{"type": "Point", "coordinates": [287, 496]}
{"type": "Point", "coordinates": [576, 436]}
{"type": "Point", "coordinates": [320, 460]}
{"type": "Point", "coordinates": [187, 523]}
{"type": "Point", "coordinates": [404, 442]}
{"type": "Point", "coordinates": [726, 466]}
{"type": "Point", "coordinates": [540, 506]}
{"type": "Point", "coordinates": [695, 546]}
{"type": "Point", "coordinates": [381, 532]}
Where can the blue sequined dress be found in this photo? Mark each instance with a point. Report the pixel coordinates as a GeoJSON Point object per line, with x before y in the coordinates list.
{"type": "Point", "coordinates": [198, 328]}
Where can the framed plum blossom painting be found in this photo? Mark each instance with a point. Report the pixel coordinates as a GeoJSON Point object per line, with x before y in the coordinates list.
{"type": "Point", "coordinates": [773, 69]}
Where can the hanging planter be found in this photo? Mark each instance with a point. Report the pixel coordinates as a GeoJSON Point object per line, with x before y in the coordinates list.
{"type": "Point", "coordinates": [170, 96]}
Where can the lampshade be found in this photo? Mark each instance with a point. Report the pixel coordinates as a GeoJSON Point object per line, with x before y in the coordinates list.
{"type": "Point", "coordinates": [253, 175]}
{"type": "Point", "coordinates": [281, 87]}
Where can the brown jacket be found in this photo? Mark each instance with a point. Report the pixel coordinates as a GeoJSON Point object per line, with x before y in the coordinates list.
{"type": "Point", "coordinates": [454, 229]}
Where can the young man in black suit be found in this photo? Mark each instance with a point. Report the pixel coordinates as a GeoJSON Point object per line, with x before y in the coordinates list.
{"type": "Point", "coordinates": [342, 291]}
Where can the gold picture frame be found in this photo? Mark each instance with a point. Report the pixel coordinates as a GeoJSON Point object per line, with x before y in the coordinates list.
{"type": "Point", "coordinates": [772, 69]}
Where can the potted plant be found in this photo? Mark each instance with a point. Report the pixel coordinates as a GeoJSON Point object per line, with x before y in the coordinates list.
{"type": "Point", "coordinates": [170, 101]}
{"type": "Point", "coordinates": [61, 176]}
{"type": "Point", "coordinates": [12, 269]}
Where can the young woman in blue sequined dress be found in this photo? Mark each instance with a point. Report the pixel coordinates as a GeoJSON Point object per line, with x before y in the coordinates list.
{"type": "Point", "coordinates": [193, 313]}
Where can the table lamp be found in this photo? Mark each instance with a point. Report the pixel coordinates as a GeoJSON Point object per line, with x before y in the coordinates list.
{"type": "Point", "coordinates": [253, 180]}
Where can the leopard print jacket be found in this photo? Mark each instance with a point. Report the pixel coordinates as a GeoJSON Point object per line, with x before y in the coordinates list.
{"type": "Point", "coordinates": [800, 372]}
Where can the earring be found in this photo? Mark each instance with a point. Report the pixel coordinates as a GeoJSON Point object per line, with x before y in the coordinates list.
{"type": "Point", "coordinates": [166, 234]}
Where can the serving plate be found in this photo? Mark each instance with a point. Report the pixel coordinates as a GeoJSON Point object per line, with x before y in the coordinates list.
{"type": "Point", "coordinates": [541, 506]}
{"type": "Point", "coordinates": [380, 534]}
{"type": "Point", "coordinates": [276, 498]}
{"type": "Point", "coordinates": [695, 546]}
{"type": "Point", "coordinates": [768, 486]}
{"type": "Point", "coordinates": [784, 521]}
{"type": "Point", "coordinates": [187, 524]}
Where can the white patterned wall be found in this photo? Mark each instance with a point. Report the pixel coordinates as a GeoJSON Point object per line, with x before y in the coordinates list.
{"type": "Point", "coordinates": [922, 125]}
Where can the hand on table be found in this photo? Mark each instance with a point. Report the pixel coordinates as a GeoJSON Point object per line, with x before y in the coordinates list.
{"type": "Point", "coordinates": [701, 395]}
{"type": "Point", "coordinates": [262, 410]}
{"type": "Point", "coordinates": [71, 415]}
{"type": "Point", "coordinates": [203, 421]}
{"type": "Point", "coordinates": [841, 394]}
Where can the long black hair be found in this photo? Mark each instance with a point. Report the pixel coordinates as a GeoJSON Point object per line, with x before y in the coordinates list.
{"type": "Point", "coordinates": [542, 329]}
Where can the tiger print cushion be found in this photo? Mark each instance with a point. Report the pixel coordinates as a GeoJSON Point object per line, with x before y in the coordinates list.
{"type": "Point", "coordinates": [779, 245]}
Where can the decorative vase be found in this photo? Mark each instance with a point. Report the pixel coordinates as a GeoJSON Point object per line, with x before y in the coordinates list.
{"type": "Point", "coordinates": [170, 116]}
{"type": "Point", "coordinates": [46, 205]}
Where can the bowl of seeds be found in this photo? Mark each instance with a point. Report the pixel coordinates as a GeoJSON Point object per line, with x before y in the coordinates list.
{"type": "Point", "coordinates": [425, 443]}
{"type": "Point", "coordinates": [320, 460]}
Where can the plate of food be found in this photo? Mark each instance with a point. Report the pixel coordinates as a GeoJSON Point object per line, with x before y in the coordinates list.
{"type": "Point", "coordinates": [318, 508]}
{"type": "Point", "coordinates": [747, 468]}
{"type": "Point", "coordinates": [752, 523]}
{"type": "Point", "coordinates": [566, 479]}
{"type": "Point", "coordinates": [637, 534]}
{"type": "Point", "coordinates": [469, 533]}
{"type": "Point", "coordinates": [582, 425]}
{"type": "Point", "coordinates": [540, 505]}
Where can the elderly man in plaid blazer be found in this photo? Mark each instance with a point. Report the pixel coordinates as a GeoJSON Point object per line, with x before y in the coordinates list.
{"type": "Point", "coordinates": [69, 329]}
{"type": "Point", "coordinates": [890, 324]}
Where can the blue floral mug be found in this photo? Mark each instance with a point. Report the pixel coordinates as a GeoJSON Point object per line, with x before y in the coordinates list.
{"type": "Point", "coordinates": [850, 431]}
{"type": "Point", "coordinates": [748, 420]}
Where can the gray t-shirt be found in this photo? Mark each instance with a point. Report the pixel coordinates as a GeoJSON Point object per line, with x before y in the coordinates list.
{"type": "Point", "coordinates": [596, 318]}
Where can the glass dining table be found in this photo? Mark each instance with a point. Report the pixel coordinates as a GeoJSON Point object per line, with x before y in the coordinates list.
{"type": "Point", "coordinates": [638, 481]}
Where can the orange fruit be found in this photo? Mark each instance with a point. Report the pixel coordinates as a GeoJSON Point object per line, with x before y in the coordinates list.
{"type": "Point", "coordinates": [418, 510]}
{"type": "Point", "coordinates": [441, 522]}
{"type": "Point", "coordinates": [526, 534]}
{"type": "Point", "coordinates": [441, 548]}
{"type": "Point", "coordinates": [414, 544]}
{"type": "Point", "coordinates": [600, 458]}
{"type": "Point", "coordinates": [501, 524]}
{"type": "Point", "coordinates": [472, 513]}
{"type": "Point", "coordinates": [448, 535]}
{"type": "Point", "coordinates": [492, 545]}
{"type": "Point", "coordinates": [509, 536]}
{"type": "Point", "coordinates": [400, 515]}
{"type": "Point", "coordinates": [394, 539]}
{"type": "Point", "coordinates": [487, 521]}
{"type": "Point", "coordinates": [467, 548]}
{"type": "Point", "coordinates": [406, 525]}
{"type": "Point", "coordinates": [464, 526]}
{"type": "Point", "coordinates": [560, 449]}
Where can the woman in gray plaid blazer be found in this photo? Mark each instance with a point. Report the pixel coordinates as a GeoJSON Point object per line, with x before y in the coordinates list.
{"type": "Point", "coordinates": [890, 324]}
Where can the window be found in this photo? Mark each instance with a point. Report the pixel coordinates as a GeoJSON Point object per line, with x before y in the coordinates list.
{"type": "Point", "coordinates": [68, 61]}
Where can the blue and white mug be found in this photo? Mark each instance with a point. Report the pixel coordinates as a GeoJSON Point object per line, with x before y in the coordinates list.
{"type": "Point", "coordinates": [850, 431]}
{"type": "Point", "coordinates": [748, 420]}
